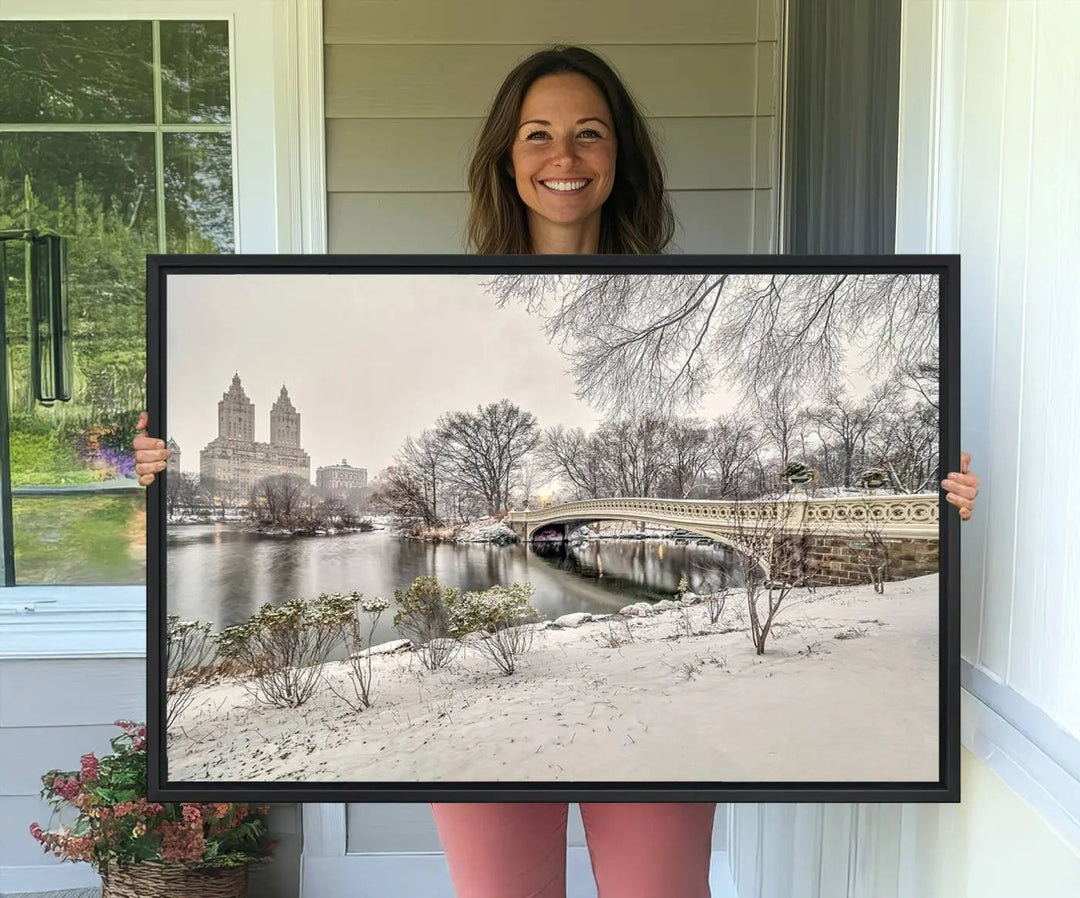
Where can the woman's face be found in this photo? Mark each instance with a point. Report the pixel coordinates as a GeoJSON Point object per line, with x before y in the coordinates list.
{"type": "Point", "coordinates": [563, 154]}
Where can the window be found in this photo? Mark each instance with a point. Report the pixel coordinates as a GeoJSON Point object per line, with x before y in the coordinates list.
{"type": "Point", "coordinates": [118, 136]}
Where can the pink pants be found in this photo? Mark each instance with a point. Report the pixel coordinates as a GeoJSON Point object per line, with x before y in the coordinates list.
{"type": "Point", "coordinates": [518, 850]}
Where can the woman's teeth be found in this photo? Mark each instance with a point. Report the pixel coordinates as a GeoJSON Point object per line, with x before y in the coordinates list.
{"type": "Point", "coordinates": [564, 186]}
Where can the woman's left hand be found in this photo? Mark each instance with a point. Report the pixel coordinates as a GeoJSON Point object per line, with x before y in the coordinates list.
{"type": "Point", "coordinates": [961, 487]}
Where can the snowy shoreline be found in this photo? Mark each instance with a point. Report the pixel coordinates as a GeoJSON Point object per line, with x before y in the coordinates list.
{"type": "Point", "coordinates": [847, 689]}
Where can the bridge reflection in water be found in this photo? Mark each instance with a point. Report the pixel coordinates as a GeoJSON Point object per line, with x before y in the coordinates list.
{"type": "Point", "coordinates": [834, 533]}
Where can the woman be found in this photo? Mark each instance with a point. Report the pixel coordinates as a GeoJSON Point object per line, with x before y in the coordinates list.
{"type": "Point", "coordinates": [565, 164]}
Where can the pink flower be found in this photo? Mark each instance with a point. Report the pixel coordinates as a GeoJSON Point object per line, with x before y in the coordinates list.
{"type": "Point", "coordinates": [123, 808]}
{"type": "Point", "coordinates": [150, 808]}
{"type": "Point", "coordinates": [89, 770]}
{"type": "Point", "coordinates": [65, 788]}
{"type": "Point", "coordinates": [181, 842]}
{"type": "Point", "coordinates": [192, 813]}
{"type": "Point", "coordinates": [35, 831]}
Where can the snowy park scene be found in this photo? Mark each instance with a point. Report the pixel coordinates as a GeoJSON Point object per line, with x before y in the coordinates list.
{"type": "Point", "coordinates": [526, 528]}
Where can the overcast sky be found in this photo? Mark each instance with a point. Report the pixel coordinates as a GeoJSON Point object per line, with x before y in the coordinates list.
{"type": "Point", "coordinates": [367, 359]}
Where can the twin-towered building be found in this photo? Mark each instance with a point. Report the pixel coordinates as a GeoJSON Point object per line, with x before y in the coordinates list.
{"type": "Point", "coordinates": [234, 462]}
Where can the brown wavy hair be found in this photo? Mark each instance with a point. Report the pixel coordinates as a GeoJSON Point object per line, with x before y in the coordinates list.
{"type": "Point", "coordinates": [637, 216]}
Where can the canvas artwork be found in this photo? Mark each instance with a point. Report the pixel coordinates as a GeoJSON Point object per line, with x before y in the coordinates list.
{"type": "Point", "coordinates": [451, 527]}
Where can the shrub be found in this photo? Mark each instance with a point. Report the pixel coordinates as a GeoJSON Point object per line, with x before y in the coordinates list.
{"type": "Point", "coordinates": [360, 672]}
{"type": "Point", "coordinates": [425, 617]}
{"type": "Point", "coordinates": [501, 616]}
{"type": "Point", "coordinates": [190, 652]}
{"type": "Point", "coordinates": [285, 646]}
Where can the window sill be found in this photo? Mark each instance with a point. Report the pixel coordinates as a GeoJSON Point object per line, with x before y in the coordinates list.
{"type": "Point", "coordinates": [1019, 742]}
{"type": "Point", "coordinates": [72, 622]}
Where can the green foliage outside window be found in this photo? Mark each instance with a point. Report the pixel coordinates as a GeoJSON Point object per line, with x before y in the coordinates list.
{"type": "Point", "coordinates": [80, 158]}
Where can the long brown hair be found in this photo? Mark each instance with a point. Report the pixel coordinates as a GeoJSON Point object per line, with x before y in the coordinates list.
{"type": "Point", "coordinates": [637, 217]}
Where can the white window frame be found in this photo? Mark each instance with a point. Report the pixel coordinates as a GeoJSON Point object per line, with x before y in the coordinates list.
{"type": "Point", "coordinates": [276, 84]}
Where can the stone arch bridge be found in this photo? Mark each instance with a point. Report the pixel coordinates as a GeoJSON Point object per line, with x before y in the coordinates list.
{"type": "Point", "coordinates": [835, 538]}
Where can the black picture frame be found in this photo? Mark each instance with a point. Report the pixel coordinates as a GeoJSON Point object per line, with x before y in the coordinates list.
{"type": "Point", "coordinates": [945, 788]}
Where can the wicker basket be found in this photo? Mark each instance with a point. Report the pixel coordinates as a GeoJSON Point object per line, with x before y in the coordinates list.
{"type": "Point", "coordinates": [155, 880]}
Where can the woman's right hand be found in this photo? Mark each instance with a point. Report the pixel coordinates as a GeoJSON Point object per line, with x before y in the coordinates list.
{"type": "Point", "coordinates": [150, 453]}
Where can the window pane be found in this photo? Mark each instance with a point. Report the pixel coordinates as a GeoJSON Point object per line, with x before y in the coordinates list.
{"type": "Point", "coordinates": [195, 72]}
{"type": "Point", "coordinates": [76, 72]}
{"type": "Point", "coordinates": [198, 193]}
{"type": "Point", "coordinates": [82, 539]}
{"type": "Point", "coordinates": [98, 191]}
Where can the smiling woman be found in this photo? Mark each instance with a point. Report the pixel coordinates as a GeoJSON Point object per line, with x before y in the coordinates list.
{"type": "Point", "coordinates": [565, 164]}
{"type": "Point", "coordinates": [563, 161]}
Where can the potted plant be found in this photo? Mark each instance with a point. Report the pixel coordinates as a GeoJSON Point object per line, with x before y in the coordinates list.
{"type": "Point", "coordinates": [142, 848]}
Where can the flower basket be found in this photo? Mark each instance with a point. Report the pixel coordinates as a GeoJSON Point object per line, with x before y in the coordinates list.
{"type": "Point", "coordinates": [146, 849]}
{"type": "Point", "coordinates": [175, 881]}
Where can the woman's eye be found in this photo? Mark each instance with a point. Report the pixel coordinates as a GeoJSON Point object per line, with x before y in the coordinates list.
{"type": "Point", "coordinates": [589, 132]}
{"type": "Point", "coordinates": [533, 135]}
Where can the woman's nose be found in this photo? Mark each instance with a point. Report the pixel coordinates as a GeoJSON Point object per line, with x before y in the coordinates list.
{"type": "Point", "coordinates": [563, 150]}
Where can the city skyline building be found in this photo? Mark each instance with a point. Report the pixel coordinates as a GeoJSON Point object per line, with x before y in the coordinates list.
{"type": "Point", "coordinates": [234, 461]}
{"type": "Point", "coordinates": [340, 480]}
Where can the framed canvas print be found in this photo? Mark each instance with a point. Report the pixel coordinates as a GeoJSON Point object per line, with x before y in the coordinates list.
{"type": "Point", "coordinates": [461, 528]}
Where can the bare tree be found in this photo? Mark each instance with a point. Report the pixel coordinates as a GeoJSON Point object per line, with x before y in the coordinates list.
{"type": "Point", "coordinates": [280, 500]}
{"type": "Point", "coordinates": [182, 493]}
{"type": "Point", "coordinates": [484, 449]}
{"type": "Point", "coordinates": [425, 459]}
{"type": "Point", "coordinates": [923, 376]}
{"type": "Point", "coordinates": [772, 534]}
{"type": "Point", "coordinates": [905, 445]}
{"type": "Point", "coordinates": [734, 441]}
{"type": "Point", "coordinates": [575, 457]}
{"type": "Point", "coordinates": [651, 342]}
{"type": "Point", "coordinates": [637, 452]}
{"type": "Point", "coordinates": [689, 452]}
{"type": "Point", "coordinates": [403, 494]}
{"type": "Point", "coordinates": [875, 554]}
{"type": "Point", "coordinates": [779, 412]}
{"type": "Point", "coordinates": [528, 471]}
{"type": "Point", "coordinates": [848, 423]}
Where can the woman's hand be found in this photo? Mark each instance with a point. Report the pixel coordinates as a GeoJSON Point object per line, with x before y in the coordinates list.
{"type": "Point", "coordinates": [962, 487]}
{"type": "Point", "coordinates": [150, 453]}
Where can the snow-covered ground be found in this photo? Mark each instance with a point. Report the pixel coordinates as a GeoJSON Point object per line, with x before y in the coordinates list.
{"type": "Point", "coordinates": [847, 690]}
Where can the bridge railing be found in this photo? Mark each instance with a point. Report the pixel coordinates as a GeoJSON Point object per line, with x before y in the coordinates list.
{"type": "Point", "coordinates": [910, 514]}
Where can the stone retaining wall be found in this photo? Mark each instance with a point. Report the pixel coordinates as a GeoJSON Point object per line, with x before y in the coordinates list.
{"type": "Point", "coordinates": [843, 561]}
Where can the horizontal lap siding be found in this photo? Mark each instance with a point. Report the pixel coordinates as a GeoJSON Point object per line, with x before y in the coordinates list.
{"type": "Point", "coordinates": [405, 95]}
{"type": "Point", "coordinates": [502, 22]}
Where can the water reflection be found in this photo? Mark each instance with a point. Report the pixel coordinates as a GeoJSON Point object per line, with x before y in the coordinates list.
{"type": "Point", "coordinates": [224, 575]}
